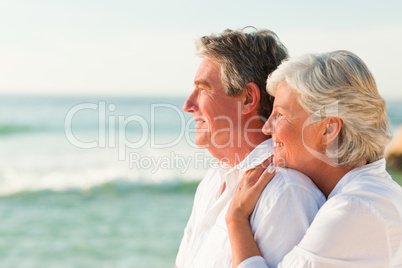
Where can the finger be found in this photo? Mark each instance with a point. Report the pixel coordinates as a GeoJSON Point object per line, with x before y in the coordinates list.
{"type": "Point", "coordinates": [251, 176]}
{"type": "Point", "coordinates": [267, 162]}
{"type": "Point", "coordinates": [258, 170]}
{"type": "Point", "coordinates": [264, 164]}
{"type": "Point", "coordinates": [265, 177]}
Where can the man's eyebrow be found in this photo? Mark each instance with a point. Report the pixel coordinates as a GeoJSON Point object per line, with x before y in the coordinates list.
{"type": "Point", "coordinates": [203, 83]}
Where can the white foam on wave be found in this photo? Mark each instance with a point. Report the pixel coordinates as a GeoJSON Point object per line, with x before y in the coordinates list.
{"type": "Point", "coordinates": [50, 162]}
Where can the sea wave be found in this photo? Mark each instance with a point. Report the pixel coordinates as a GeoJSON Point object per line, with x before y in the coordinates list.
{"type": "Point", "coordinates": [117, 188]}
{"type": "Point", "coordinates": [10, 129]}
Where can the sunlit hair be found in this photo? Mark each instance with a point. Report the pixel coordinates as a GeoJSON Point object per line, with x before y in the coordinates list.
{"type": "Point", "coordinates": [339, 84]}
{"type": "Point", "coordinates": [244, 58]}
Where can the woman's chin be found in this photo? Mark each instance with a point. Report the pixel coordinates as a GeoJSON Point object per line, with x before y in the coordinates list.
{"type": "Point", "coordinates": [279, 161]}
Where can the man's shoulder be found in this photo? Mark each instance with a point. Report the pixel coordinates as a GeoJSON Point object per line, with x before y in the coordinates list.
{"type": "Point", "coordinates": [289, 194]}
{"type": "Point", "coordinates": [290, 182]}
{"type": "Point", "coordinates": [289, 178]}
{"type": "Point", "coordinates": [210, 179]}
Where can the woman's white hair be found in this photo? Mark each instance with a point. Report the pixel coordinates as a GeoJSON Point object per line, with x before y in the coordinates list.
{"type": "Point", "coordinates": [339, 84]}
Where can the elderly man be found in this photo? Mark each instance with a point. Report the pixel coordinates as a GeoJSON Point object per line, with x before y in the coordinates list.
{"type": "Point", "coordinates": [230, 105]}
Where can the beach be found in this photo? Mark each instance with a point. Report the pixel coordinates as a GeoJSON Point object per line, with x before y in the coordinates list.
{"type": "Point", "coordinates": [99, 181]}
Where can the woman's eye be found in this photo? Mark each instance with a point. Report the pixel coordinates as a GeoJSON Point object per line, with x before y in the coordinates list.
{"type": "Point", "coordinates": [279, 116]}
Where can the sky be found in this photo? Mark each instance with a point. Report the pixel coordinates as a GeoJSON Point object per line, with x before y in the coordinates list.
{"type": "Point", "coordinates": [146, 48]}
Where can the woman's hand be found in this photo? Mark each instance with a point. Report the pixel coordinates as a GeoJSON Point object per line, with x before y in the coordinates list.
{"type": "Point", "coordinates": [248, 192]}
{"type": "Point", "coordinates": [242, 205]}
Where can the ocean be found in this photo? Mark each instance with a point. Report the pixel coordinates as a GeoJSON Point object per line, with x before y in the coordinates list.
{"type": "Point", "coordinates": [99, 181]}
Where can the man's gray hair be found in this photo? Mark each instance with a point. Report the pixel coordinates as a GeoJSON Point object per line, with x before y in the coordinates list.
{"type": "Point", "coordinates": [341, 78]}
{"type": "Point", "coordinates": [244, 58]}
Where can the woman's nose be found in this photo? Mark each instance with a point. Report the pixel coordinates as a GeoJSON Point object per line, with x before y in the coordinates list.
{"type": "Point", "coordinates": [268, 128]}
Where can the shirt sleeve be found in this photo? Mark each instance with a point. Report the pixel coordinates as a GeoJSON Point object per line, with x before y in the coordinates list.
{"type": "Point", "coordinates": [281, 219]}
{"type": "Point", "coordinates": [188, 231]}
{"type": "Point", "coordinates": [347, 232]}
{"type": "Point", "coordinates": [253, 262]}
{"type": "Point", "coordinates": [184, 244]}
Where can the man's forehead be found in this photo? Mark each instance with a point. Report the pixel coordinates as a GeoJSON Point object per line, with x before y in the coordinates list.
{"type": "Point", "coordinates": [208, 74]}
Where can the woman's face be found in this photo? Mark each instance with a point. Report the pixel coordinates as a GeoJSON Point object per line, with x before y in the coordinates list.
{"type": "Point", "coordinates": [293, 136]}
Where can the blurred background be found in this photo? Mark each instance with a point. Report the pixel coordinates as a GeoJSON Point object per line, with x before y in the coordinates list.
{"type": "Point", "coordinates": [97, 162]}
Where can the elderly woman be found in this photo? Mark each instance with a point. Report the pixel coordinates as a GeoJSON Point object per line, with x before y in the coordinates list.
{"type": "Point", "coordinates": [330, 123]}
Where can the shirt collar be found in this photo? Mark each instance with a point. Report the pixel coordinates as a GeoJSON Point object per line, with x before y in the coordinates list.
{"type": "Point", "coordinates": [372, 168]}
{"type": "Point", "coordinates": [260, 153]}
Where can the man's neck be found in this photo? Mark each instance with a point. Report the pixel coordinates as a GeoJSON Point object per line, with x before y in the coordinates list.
{"type": "Point", "coordinates": [232, 156]}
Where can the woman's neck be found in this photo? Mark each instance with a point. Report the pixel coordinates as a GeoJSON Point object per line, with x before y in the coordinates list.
{"type": "Point", "coordinates": [327, 176]}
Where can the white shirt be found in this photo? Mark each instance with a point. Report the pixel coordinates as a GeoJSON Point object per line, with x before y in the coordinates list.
{"type": "Point", "coordinates": [281, 217]}
{"type": "Point", "coordinates": [359, 226]}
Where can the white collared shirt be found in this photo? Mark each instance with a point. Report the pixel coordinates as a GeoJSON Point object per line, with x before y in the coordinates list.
{"type": "Point", "coordinates": [359, 226]}
{"type": "Point", "coordinates": [282, 215]}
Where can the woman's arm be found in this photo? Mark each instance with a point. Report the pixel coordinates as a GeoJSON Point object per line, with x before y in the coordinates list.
{"type": "Point", "coordinates": [238, 215]}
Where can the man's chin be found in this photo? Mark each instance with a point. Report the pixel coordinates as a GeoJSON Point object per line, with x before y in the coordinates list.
{"type": "Point", "coordinates": [202, 141]}
{"type": "Point", "coordinates": [202, 145]}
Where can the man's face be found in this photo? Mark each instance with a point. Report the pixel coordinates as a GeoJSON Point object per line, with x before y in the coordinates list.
{"type": "Point", "coordinates": [216, 114]}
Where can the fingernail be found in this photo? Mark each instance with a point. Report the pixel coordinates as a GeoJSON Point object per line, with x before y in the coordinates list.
{"type": "Point", "coordinates": [271, 168]}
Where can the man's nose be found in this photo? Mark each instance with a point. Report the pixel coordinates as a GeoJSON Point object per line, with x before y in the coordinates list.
{"type": "Point", "coordinates": [190, 106]}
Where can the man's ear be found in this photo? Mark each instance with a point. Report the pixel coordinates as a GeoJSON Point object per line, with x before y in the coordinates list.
{"type": "Point", "coordinates": [331, 129]}
{"type": "Point", "coordinates": [251, 98]}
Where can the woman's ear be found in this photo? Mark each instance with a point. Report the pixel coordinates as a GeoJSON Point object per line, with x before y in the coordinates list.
{"type": "Point", "coordinates": [332, 127]}
{"type": "Point", "coordinates": [251, 99]}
